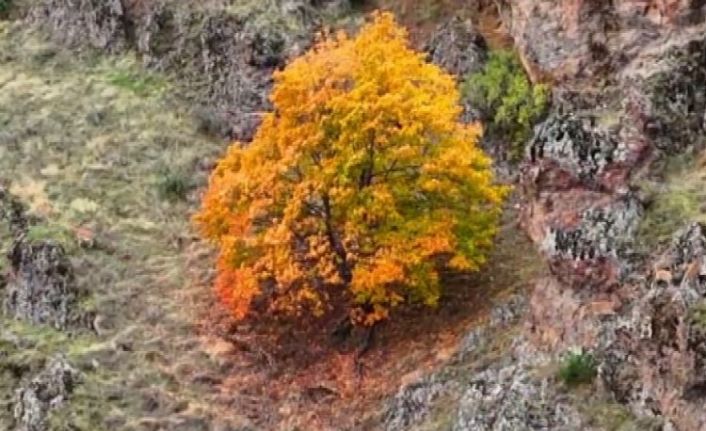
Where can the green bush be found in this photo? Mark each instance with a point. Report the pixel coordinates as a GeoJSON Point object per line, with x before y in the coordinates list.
{"type": "Point", "coordinates": [507, 98]}
{"type": "Point", "coordinates": [5, 6]}
{"type": "Point", "coordinates": [578, 368]}
{"type": "Point", "coordinates": [173, 185]}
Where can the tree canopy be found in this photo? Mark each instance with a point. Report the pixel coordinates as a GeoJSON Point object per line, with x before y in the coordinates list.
{"type": "Point", "coordinates": [360, 186]}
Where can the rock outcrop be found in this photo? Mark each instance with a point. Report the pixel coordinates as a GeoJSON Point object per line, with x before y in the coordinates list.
{"type": "Point", "coordinates": [640, 315]}
{"type": "Point", "coordinates": [43, 393]}
{"type": "Point", "coordinates": [458, 47]}
{"type": "Point", "coordinates": [39, 287]}
{"type": "Point", "coordinates": [99, 23]}
{"type": "Point", "coordinates": [573, 39]}
{"type": "Point", "coordinates": [225, 56]}
{"type": "Point", "coordinates": [583, 211]}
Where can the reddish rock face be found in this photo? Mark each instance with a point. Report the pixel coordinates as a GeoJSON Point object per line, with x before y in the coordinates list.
{"type": "Point", "coordinates": [582, 208]}
{"type": "Point", "coordinates": [569, 39]}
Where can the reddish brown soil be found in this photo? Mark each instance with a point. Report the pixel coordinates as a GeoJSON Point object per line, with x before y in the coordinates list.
{"type": "Point", "coordinates": [287, 375]}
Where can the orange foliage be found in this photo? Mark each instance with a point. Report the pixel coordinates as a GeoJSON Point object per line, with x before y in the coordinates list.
{"type": "Point", "coordinates": [360, 185]}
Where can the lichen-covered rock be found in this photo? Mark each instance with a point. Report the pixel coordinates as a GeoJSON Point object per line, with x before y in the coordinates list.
{"type": "Point", "coordinates": [586, 236]}
{"type": "Point", "coordinates": [677, 115]}
{"type": "Point", "coordinates": [45, 392]}
{"type": "Point", "coordinates": [571, 145]}
{"type": "Point", "coordinates": [41, 288]}
{"type": "Point", "coordinates": [224, 61]}
{"type": "Point", "coordinates": [666, 334]}
{"type": "Point", "coordinates": [510, 398]}
{"type": "Point", "coordinates": [569, 151]}
{"type": "Point", "coordinates": [416, 402]}
{"type": "Point", "coordinates": [412, 403]}
{"type": "Point", "coordinates": [458, 47]}
{"type": "Point", "coordinates": [600, 231]}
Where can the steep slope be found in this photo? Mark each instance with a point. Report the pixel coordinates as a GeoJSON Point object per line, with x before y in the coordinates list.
{"type": "Point", "coordinates": [109, 161]}
{"type": "Point", "coordinates": [102, 160]}
{"type": "Point", "coordinates": [629, 99]}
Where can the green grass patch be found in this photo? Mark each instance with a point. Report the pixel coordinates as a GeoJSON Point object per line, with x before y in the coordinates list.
{"type": "Point", "coordinates": [697, 315]}
{"type": "Point", "coordinates": [52, 233]}
{"type": "Point", "coordinates": [578, 369]}
{"type": "Point", "coordinates": [5, 7]}
{"type": "Point", "coordinates": [140, 83]}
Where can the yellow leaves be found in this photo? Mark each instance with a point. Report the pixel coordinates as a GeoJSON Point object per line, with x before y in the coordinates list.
{"type": "Point", "coordinates": [361, 183]}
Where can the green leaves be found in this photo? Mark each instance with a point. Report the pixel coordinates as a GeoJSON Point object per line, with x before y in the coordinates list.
{"type": "Point", "coordinates": [507, 98]}
{"type": "Point", "coordinates": [578, 368]}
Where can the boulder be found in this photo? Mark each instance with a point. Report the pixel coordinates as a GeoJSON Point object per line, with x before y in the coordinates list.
{"type": "Point", "coordinates": [41, 288]}
{"type": "Point", "coordinates": [47, 391]}
{"type": "Point", "coordinates": [676, 107]}
{"type": "Point", "coordinates": [577, 39]}
{"type": "Point", "coordinates": [458, 47]}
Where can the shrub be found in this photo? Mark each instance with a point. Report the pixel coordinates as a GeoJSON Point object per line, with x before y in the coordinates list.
{"type": "Point", "coordinates": [503, 92]}
{"type": "Point", "coordinates": [4, 6]}
{"type": "Point", "coordinates": [173, 185]}
{"type": "Point", "coordinates": [358, 188]}
{"type": "Point", "coordinates": [578, 368]}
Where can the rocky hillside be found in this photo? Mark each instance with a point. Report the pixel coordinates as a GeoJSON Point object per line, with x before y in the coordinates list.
{"type": "Point", "coordinates": [590, 315]}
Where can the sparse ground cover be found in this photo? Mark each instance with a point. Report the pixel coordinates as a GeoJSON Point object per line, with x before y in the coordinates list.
{"type": "Point", "coordinates": [110, 160]}
{"type": "Point", "coordinates": [85, 144]}
{"type": "Point", "coordinates": [676, 197]}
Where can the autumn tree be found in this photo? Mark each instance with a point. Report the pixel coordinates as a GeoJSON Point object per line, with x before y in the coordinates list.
{"type": "Point", "coordinates": [360, 186]}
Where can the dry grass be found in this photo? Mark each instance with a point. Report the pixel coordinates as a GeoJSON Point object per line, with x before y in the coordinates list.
{"type": "Point", "coordinates": [84, 143]}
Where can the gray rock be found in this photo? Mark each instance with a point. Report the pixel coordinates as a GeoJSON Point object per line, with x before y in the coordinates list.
{"type": "Point", "coordinates": [601, 232]}
{"type": "Point", "coordinates": [574, 145]}
{"type": "Point", "coordinates": [41, 288]}
{"type": "Point", "coordinates": [45, 392]}
{"type": "Point", "coordinates": [510, 398]}
{"type": "Point", "coordinates": [413, 403]}
{"type": "Point", "coordinates": [458, 47]}
{"type": "Point", "coordinates": [678, 99]}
